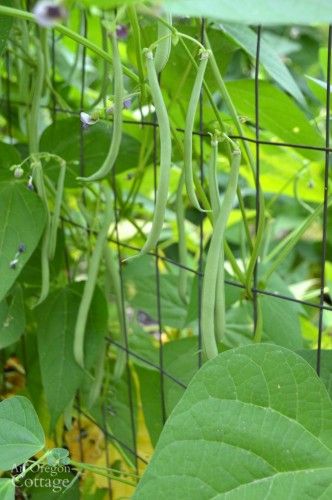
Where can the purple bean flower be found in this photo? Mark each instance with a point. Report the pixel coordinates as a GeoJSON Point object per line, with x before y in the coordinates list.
{"type": "Point", "coordinates": [127, 103]}
{"type": "Point", "coordinates": [48, 13]}
{"type": "Point", "coordinates": [30, 184]}
{"type": "Point", "coordinates": [86, 119]}
{"type": "Point", "coordinates": [121, 31]}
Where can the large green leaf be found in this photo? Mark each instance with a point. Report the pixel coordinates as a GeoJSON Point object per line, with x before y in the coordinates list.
{"type": "Point", "coordinates": [278, 114]}
{"type": "Point", "coordinates": [255, 422]}
{"type": "Point", "coordinates": [22, 219]}
{"type": "Point", "coordinates": [61, 375]}
{"type": "Point", "coordinates": [257, 12]}
{"type": "Point", "coordinates": [63, 138]}
{"type": "Point", "coordinates": [12, 318]}
{"type": "Point", "coordinates": [269, 58]}
{"type": "Point", "coordinates": [7, 489]}
{"type": "Point", "coordinates": [21, 435]}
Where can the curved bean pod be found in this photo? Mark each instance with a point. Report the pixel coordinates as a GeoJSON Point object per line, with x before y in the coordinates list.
{"type": "Point", "coordinates": [188, 131]}
{"type": "Point", "coordinates": [57, 211]}
{"type": "Point", "coordinates": [117, 122]}
{"type": "Point", "coordinates": [165, 155]}
{"type": "Point", "coordinates": [183, 254]}
{"type": "Point", "coordinates": [90, 283]}
{"type": "Point", "coordinates": [164, 47]}
{"type": "Point", "coordinates": [220, 312]}
{"type": "Point", "coordinates": [213, 259]}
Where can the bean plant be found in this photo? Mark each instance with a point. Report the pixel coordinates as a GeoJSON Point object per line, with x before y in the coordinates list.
{"type": "Point", "coordinates": [165, 259]}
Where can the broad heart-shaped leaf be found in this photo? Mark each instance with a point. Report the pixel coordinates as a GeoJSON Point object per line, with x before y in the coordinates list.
{"type": "Point", "coordinates": [21, 435]}
{"type": "Point", "coordinates": [265, 12]}
{"type": "Point", "coordinates": [254, 423]}
{"type": "Point", "coordinates": [278, 114]}
{"type": "Point", "coordinates": [56, 316]}
{"type": "Point", "coordinates": [63, 139]}
{"type": "Point", "coordinates": [7, 489]}
{"type": "Point", "coordinates": [22, 220]}
{"type": "Point", "coordinates": [269, 58]}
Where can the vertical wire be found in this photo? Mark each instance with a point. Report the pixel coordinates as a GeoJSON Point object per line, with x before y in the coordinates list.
{"type": "Point", "coordinates": [325, 209]}
{"type": "Point", "coordinates": [157, 274]}
{"type": "Point", "coordinates": [81, 166]}
{"type": "Point", "coordinates": [201, 234]}
{"type": "Point", "coordinates": [257, 173]}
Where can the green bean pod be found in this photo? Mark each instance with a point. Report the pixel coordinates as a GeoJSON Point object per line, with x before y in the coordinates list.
{"type": "Point", "coordinates": [220, 311]}
{"type": "Point", "coordinates": [117, 114]}
{"type": "Point", "coordinates": [57, 211]}
{"type": "Point", "coordinates": [183, 254]}
{"type": "Point", "coordinates": [90, 283]}
{"type": "Point", "coordinates": [189, 127]}
{"type": "Point", "coordinates": [41, 190]}
{"type": "Point", "coordinates": [213, 260]}
{"type": "Point", "coordinates": [163, 49]}
{"type": "Point", "coordinates": [112, 272]}
{"type": "Point", "coordinates": [165, 155]}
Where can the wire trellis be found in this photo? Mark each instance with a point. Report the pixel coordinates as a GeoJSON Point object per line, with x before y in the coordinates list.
{"type": "Point", "coordinates": [57, 111]}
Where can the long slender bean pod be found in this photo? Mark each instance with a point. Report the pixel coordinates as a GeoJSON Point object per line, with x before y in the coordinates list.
{"type": "Point", "coordinates": [188, 130]}
{"type": "Point", "coordinates": [165, 155]}
{"type": "Point", "coordinates": [183, 254]}
{"type": "Point", "coordinates": [220, 311]}
{"type": "Point", "coordinates": [112, 270]}
{"type": "Point", "coordinates": [164, 47]}
{"type": "Point", "coordinates": [57, 211]}
{"type": "Point", "coordinates": [205, 203]}
{"type": "Point", "coordinates": [90, 283]}
{"type": "Point", "coordinates": [117, 113]}
{"type": "Point", "coordinates": [132, 15]}
{"type": "Point", "coordinates": [40, 185]}
{"type": "Point", "coordinates": [212, 261]}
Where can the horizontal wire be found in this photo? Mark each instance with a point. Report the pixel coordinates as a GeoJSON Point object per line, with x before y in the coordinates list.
{"type": "Point", "coordinates": [196, 132]}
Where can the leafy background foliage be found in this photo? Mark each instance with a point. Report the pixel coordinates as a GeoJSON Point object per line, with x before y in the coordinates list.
{"type": "Point", "coordinates": [244, 402]}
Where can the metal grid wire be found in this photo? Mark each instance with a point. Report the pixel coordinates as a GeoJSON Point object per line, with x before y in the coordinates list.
{"type": "Point", "coordinates": [121, 246]}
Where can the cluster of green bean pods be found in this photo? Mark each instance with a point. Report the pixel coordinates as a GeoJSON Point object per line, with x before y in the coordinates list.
{"type": "Point", "coordinates": [213, 281]}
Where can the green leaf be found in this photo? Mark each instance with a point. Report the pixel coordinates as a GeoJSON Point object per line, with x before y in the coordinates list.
{"type": "Point", "coordinates": [56, 316]}
{"type": "Point", "coordinates": [265, 12]}
{"type": "Point", "coordinates": [63, 138]}
{"type": "Point", "coordinates": [12, 318]}
{"type": "Point", "coordinates": [255, 422]}
{"type": "Point", "coordinates": [22, 221]}
{"type": "Point", "coordinates": [9, 156]}
{"type": "Point", "coordinates": [269, 58]}
{"type": "Point", "coordinates": [278, 114]}
{"type": "Point", "coordinates": [7, 489]}
{"type": "Point", "coordinates": [140, 278]}
{"type": "Point", "coordinates": [21, 435]}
